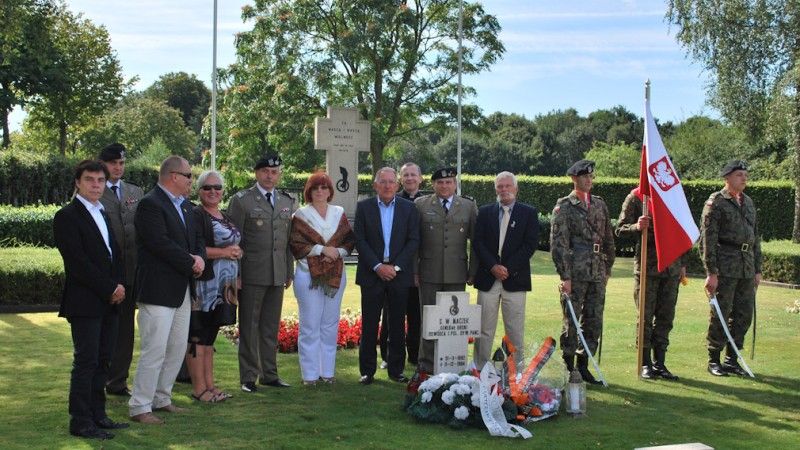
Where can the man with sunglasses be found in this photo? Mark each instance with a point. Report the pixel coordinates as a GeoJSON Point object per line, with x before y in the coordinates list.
{"type": "Point", "coordinates": [582, 247]}
{"type": "Point", "coordinates": [264, 216]}
{"type": "Point", "coordinates": [171, 254]}
{"type": "Point", "coordinates": [119, 200]}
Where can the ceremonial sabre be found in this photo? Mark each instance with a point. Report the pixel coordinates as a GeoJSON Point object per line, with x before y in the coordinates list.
{"type": "Point", "coordinates": [753, 345]}
{"type": "Point", "coordinates": [713, 302]}
{"type": "Point", "coordinates": [568, 301]}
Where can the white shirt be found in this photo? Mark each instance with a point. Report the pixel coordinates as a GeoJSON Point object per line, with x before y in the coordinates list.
{"type": "Point", "coordinates": [95, 210]}
{"type": "Point", "coordinates": [118, 184]}
{"type": "Point", "coordinates": [264, 193]}
{"type": "Point", "coordinates": [326, 227]}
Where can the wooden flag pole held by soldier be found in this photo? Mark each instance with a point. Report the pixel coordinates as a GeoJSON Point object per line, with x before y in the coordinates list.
{"type": "Point", "coordinates": [642, 269]}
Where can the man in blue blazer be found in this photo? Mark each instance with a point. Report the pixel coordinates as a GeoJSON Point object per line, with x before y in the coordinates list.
{"type": "Point", "coordinates": [506, 235]}
{"type": "Point", "coordinates": [171, 252]}
{"type": "Point", "coordinates": [92, 290]}
{"type": "Point", "coordinates": [387, 236]}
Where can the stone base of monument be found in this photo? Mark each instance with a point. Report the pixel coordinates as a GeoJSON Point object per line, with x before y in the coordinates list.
{"type": "Point", "coordinates": [450, 323]}
{"type": "Point", "coordinates": [689, 446]}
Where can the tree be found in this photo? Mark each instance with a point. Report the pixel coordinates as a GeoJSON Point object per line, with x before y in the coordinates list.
{"type": "Point", "coordinates": [616, 160]}
{"type": "Point", "coordinates": [562, 137]}
{"type": "Point", "coordinates": [25, 53]}
{"type": "Point", "coordinates": [86, 79]}
{"type": "Point", "coordinates": [751, 49]}
{"type": "Point", "coordinates": [185, 93]}
{"type": "Point", "coordinates": [395, 61]}
{"type": "Point", "coordinates": [137, 122]}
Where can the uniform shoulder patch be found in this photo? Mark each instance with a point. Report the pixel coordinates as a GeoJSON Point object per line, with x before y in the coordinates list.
{"type": "Point", "coordinates": [241, 194]}
{"type": "Point", "coordinates": [556, 209]}
{"type": "Point", "coordinates": [467, 197]}
{"type": "Point", "coordinates": [287, 193]}
{"type": "Point", "coordinates": [422, 198]}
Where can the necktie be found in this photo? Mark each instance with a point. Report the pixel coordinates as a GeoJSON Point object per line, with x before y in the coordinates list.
{"type": "Point", "coordinates": [269, 199]}
{"type": "Point", "coordinates": [444, 206]}
{"type": "Point", "coordinates": [503, 228]}
{"type": "Point", "coordinates": [115, 189]}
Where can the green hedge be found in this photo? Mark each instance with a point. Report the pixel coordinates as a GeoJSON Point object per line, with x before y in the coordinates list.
{"type": "Point", "coordinates": [27, 180]}
{"type": "Point", "coordinates": [31, 276]}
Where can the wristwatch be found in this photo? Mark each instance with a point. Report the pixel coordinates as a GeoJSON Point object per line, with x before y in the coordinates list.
{"type": "Point", "coordinates": [397, 268]}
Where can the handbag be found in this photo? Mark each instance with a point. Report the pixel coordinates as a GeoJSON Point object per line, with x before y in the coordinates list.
{"type": "Point", "coordinates": [225, 314]}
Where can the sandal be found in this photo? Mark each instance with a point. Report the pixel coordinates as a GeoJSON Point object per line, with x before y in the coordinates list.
{"type": "Point", "coordinates": [221, 394]}
{"type": "Point", "coordinates": [199, 398]}
{"type": "Point", "coordinates": [328, 380]}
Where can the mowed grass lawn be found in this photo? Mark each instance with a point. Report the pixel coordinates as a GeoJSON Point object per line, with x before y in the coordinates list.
{"type": "Point", "coordinates": [36, 354]}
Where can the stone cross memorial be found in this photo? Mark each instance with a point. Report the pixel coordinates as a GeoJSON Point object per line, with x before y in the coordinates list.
{"type": "Point", "coordinates": [342, 135]}
{"type": "Point", "coordinates": [451, 322]}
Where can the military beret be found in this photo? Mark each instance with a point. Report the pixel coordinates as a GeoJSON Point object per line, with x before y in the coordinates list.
{"type": "Point", "coordinates": [269, 161]}
{"type": "Point", "coordinates": [112, 152]}
{"type": "Point", "coordinates": [581, 167]}
{"type": "Point", "coordinates": [444, 172]}
{"type": "Point", "coordinates": [733, 165]}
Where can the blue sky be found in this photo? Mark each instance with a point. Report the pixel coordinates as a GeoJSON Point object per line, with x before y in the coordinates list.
{"type": "Point", "coordinates": [581, 54]}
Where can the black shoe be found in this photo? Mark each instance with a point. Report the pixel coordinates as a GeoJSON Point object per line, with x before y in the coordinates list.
{"type": "Point", "coordinates": [662, 371]}
{"type": "Point", "coordinates": [249, 387]}
{"type": "Point", "coordinates": [715, 368]}
{"type": "Point", "coordinates": [124, 392]}
{"type": "Point", "coordinates": [399, 378]}
{"type": "Point", "coordinates": [649, 372]}
{"type": "Point", "coordinates": [108, 424]}
{"type": "Point", "coordinates": [731, 365]}
{"type": "Point", "coordinates": [276, 383]}
{"type": "Point", "coordinates": [583, 369]}
{"type": "Point", "coordinates": [91, 432]}
{"type": "Point", "coordinates": [366, 379]}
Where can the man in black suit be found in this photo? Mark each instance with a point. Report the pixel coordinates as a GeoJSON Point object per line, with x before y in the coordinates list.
{"type": "Point", "coordinates": [92, 291]}
{"type": "Point", "coordinates": [506, 235]}
{"type": "Point", "coordinates": [387, 236]}
{"type": "Point", "coordinates": [171, 253]}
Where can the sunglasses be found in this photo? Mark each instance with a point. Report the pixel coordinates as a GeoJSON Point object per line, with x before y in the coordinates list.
{"type": "Point", "coordinates": [208, 187]}
{"type": "Point", "coordinates": [185, 174]}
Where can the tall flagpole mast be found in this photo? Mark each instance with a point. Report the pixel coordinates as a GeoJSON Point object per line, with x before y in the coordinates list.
{"type": "Point", "coordinates": [643, 252]}
{"type": "Point", "coordinates": [214, 96]}
{"type": "Point", "coordinates": [460, 90]}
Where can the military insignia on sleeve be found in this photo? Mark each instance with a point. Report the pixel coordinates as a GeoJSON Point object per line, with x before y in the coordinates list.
{"type": "Point", "coordinates": [556, 209]}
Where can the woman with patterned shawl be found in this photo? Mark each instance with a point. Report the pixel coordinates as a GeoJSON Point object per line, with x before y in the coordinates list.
{"type": "Point", "coordinates": [321, 236]}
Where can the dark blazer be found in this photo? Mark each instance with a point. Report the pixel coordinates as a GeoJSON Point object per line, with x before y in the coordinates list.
{"type": "Point", "coordinates": [369, 240]}
{"type": "Point", "coordinates": [164, 249]}
{"type": "Point", "coordinates": [522, 238]}
{"type": "Point", "coordinates": [92, 274]}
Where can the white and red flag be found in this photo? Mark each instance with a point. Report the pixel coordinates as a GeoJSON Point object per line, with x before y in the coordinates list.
{"type": "Point", "coordinates": [673, 226]}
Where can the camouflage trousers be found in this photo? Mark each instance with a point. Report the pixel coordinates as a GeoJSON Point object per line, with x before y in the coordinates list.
{"type": "Point", "coordinates": [588, 300]}
{"type": "Point", "coordinates": [659, 310]}
{"type": "Point", "coordinates": [736, 297]}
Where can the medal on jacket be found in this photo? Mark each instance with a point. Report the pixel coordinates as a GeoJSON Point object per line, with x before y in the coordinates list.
{"type": "Point", "coordinates": [259, 222]}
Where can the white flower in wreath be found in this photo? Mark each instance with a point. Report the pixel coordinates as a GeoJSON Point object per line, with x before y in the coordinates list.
{"type": "Point", "coordinates": [461, 413]}
{"type": "Point", "coordinates": [476, 400]}
{"type": "Point", "coordinates": [463, 389]}
{"type": "Point", "coordinates": [467, 379]}
{"type": "Point", "coordinates": [448, 396]}
{"type": "Point", "coordinates": [426, 397]}
{"type": "Point", "coordinates": [431, 384]}
{"type": "Point", "coordinates": [449, 377]}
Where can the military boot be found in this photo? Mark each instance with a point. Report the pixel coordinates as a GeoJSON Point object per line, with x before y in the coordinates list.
{"type": "Point", "coordinates": [731, 365]}
{"type": "Point", "coordinates": [569, 361]}
{"type": "Point", "coordinates": [714, 367]}
{"type": "Point", "coordinates": [660, 368]}
{"type": "Point", "coordinates": [583, 369]}
{"type": "Point", "coordinates": [648, 373]}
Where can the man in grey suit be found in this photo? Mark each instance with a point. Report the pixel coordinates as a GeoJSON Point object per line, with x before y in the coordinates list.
{"type": "Point", "coordinates": [447, 221]}
{"type": "Point", "coordinates": [264, 216]}
{"type": "Point", "coordinates": [119, 200]}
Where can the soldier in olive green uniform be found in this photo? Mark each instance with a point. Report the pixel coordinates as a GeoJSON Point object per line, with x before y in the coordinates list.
{"type": "Point", "coordinates": [732, 258]}
{"type": "Point", "coordinates": [263, 215]}
{"type": "Point", "coordinates": [447, 221]}
{"type": "Point", "coordinates": [662, 288]}
{"type": "Point", "coordinates": [582, 247]}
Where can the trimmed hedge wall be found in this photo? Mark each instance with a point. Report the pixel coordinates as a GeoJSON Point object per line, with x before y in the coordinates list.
{"type": "Point", "coordinates": [35, 276]}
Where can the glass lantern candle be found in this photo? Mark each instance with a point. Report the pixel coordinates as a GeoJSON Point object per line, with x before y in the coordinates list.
{"type": "Point", "coordinates": [576, 395]}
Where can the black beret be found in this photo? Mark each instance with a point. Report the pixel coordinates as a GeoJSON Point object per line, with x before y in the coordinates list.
{"type": "Point", "coordinates": [269, 161]}
{"type": "Point", "coordinates": [444, 172]}
{"type": "Point", "coordinates": [112, 151]}
{"type": "Point", "coordinates": [581, 167]}
{"type": "Point", "coordinates": [733, 165]}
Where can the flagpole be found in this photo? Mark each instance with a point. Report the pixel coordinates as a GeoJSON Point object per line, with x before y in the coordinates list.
{"type": "Point", "coordinates": [643, 257]}
{"type": "Point", "coordinates": [460, 92]}
{"type": "Point", "coordinates": [214, 96]}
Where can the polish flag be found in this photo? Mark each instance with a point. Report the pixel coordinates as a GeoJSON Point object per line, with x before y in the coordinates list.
{"type": "Point", "coordinates": [673, 226]}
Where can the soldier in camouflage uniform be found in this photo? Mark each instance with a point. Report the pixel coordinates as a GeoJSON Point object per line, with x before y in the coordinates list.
{"type": "Point", "coordinates": [263, 214]}
{"type": "Point", "coordinates": [582, 247]}
{"type": "Point", "coordinates": [662, 288]}
{"type": "Point", "coordinates": [447, 221]}
{"type": "Point", "coordinates": [732, 258]}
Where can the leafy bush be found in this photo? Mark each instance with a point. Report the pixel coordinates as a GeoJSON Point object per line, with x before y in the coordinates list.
{"type": "Point", "coordinates": [31, 225]}
{"type": "Point", "coordinates": [31, 276]}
